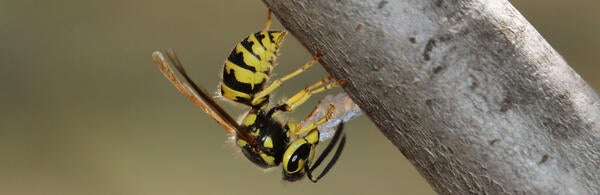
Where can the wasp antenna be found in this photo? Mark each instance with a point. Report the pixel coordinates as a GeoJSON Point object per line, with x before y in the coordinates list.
{"type": "Point", "coordinates": [325, 153]}
{"type": "Point", "coordinates": [334, 159]}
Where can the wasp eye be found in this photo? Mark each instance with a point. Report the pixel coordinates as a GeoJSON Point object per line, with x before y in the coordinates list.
{"type": "Point", "coordinates": [296, 158]}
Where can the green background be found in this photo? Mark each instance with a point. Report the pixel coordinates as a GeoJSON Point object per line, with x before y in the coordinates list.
{"type": "Point", "coordinates": [83, 109]}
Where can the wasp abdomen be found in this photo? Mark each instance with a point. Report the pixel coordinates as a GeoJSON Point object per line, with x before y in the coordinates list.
{"type": "Point", "coordinates": [248, 67]}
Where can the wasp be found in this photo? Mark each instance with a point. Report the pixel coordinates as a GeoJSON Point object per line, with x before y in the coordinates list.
{"type": "Point", "coordinates": [263, 139]}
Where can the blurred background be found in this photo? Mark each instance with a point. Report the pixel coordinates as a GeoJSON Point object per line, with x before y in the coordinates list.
{"type": "Point", "coordinates": [83, 110]}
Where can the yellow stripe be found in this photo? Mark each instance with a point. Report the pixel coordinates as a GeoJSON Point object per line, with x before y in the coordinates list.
{"type": "Point", "coordinates": [255, 133]}
{"type": "Point", "coordinates": [243, 75]}
{"type": "Point", "coordinates": [266, 41]}
{"type": "Point", "coordinates": [265, 55]}
{"type": "Point", "coordinates": [251, 60]}
{"type": "Point", "coordinates": [268, 143]}
{"type": "Point", "coordinates": [272, 45]}
{"type": "Point", "coordinates": [249, 119]}
{"type": "Point", "coordinates": [257, 47]}
{"type": "Point", "coordinates": [312, 137]}
{"type": "Point", "coordinates": [233, 94]}
{"type": "Point", "coordinates": [241, 143]}
{"type": "Point", "coordinates": [268, 159]}
{"type": "Point", "coordinates": [269, 54]}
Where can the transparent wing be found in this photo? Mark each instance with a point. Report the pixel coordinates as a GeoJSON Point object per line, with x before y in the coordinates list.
{"type": "Point", "coordinates": [345, 110]}
{"type": "Point", "coordinates": [196, 94]}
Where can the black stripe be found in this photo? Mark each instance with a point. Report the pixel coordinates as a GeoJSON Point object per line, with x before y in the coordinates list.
{"type": "Point", "coordinates": [248, 45]}
{"type": "Point", "coordinates": [270, 33]}
{"type": "Point", "coordinates": [238, 98]}
{"type": "Point", "coordinates": [230, 81]}
{"type": "Point", "coordinates": [260, 37]}
{"type": "Point", "coordinates": [238, 59]}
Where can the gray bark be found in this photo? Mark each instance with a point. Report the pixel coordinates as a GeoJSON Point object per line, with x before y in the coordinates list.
{"type": "Point", "coordinates": [467, 90]}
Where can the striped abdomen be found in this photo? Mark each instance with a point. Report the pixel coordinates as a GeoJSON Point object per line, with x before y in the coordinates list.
{"type": "Point", "coordinates": [248, 67]}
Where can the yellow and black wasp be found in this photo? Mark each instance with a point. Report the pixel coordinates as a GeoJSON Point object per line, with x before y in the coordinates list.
{"type": "Point", "coordinates": [263, 140]}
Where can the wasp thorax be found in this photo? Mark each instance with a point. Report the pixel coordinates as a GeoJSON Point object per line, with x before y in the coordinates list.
{"type": "Point", "coordinates": [270, 136]}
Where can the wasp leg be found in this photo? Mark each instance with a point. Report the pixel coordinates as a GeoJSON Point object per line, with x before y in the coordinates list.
{"type": "Point", "coordinates": [295, 129]}
{"type": "Point", "coordinates": [301, 97]}
{"type": "Point", "coordinates": [313, 111]}
{"type": "Point", "coordinates": [299, 130]}
{"type": "Point", "coordinates": [268, 23]}
{"type": "Point", "coordinates": [276, 83]}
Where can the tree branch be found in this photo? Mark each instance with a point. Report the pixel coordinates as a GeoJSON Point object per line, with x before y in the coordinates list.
{"type": "Point", "coordinates": [467, 90]}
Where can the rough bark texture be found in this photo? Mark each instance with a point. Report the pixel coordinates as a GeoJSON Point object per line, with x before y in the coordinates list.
{"type": "Point", "coordinates": [467, 90]}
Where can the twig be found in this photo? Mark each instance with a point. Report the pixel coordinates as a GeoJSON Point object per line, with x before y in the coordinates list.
{"type": "Point", "coordinates": [467, 90]}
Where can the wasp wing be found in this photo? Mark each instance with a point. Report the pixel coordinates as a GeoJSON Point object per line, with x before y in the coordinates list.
{"type": "Point", "coordinates": [196, 94]}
